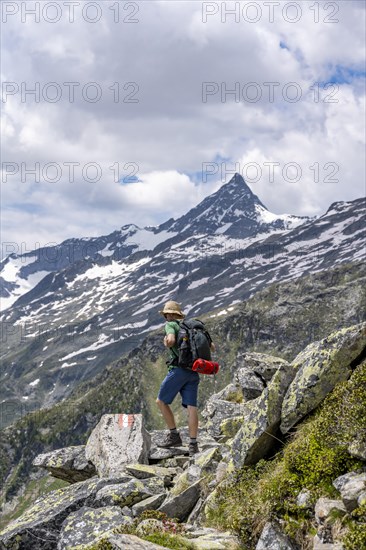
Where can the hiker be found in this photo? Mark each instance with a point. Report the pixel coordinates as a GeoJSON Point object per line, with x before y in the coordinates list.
{"type": "Point", "coordinates": [184, 381]}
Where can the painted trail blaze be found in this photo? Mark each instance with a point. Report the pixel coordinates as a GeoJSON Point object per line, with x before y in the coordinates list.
{"type": "Point", "coordinates": [125, 420]}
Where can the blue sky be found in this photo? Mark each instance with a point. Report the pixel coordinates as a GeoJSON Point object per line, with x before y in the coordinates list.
{"type": "Point", "coordinates": [176, 112]}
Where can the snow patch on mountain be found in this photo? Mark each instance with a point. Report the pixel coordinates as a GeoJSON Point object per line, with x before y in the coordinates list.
{"type": "Point", "coordinates": [11, 273]}
{"type": "Point", "coordinates": [290, 221]}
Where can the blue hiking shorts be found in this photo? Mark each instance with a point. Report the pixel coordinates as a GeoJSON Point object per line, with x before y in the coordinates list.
{"type": "Point", "coordinates": [183, 381]}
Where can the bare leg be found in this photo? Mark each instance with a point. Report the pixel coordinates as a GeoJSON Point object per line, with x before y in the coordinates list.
{"type": "Point", "coordinates": [192, 421]}
{"type": "Point", "coordinates": [167, 414]}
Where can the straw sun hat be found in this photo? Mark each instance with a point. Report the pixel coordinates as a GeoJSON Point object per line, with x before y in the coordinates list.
{"type": "Point", "coordinates": [172, 307]}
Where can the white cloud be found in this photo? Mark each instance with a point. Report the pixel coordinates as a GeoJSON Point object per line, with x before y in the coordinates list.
{"type": "Point", "coordinates": [170, 132]}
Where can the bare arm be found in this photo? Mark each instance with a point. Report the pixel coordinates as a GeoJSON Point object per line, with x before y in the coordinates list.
{"type": "Point", "coordinates": [169, 340]}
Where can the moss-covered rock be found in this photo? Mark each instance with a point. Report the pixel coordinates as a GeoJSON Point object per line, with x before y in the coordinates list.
{"type": "Point", "coordinates": [319, 368]}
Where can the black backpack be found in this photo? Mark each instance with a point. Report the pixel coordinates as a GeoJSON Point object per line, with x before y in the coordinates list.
{"type": "Point", "coordinates": [193, 342]}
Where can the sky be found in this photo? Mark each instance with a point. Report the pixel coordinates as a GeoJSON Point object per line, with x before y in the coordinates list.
{"type": "Point", "coordinates": [133, 112]}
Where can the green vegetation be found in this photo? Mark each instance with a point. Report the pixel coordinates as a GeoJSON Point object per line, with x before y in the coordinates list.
{"type": "Point", "coordinates": [168, 536]}
{"type": "Point", "coordinates": [313, 459]}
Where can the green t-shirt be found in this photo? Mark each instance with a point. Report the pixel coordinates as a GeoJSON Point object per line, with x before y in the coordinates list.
{"type": "Point", "coordinates": [172, 327]}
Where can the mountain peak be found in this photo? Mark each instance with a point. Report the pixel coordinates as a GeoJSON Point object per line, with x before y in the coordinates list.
{"type": "Point", "coordinates": [238, 186]}
{"type": "Point", "coordinates": [233, 206]}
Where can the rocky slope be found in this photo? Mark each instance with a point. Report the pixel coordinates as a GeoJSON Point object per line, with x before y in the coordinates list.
{"type": "Point", "coordinates": [280, 320]}
{"type": "Point", "coordinates": [84, 303]}
{"type": "Point", "coordinates": [132, 486]}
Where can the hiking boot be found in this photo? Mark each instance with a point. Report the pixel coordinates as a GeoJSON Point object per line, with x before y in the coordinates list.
{"type": "Point", "coordinates": [193, 449]}
{"type": "Point", "coordinates": [171, 440]}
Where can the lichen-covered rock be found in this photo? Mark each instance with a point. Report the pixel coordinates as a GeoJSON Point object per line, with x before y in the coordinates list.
{"type": "Point", "coordinates": [181, 505]}
{"type": "Point", "coordinates": [217, 410]}
{"type": "Point", "coordinates": [258, 433]}
{"type": "Point", "coordinates": [272, 538]}
{"type": "Point", "coordinates": [128, 494]}
{"type": "Point", "coordinates": [38, 528]}
{"type": "Point", "coordinates": [88, 525]}
{"type": "Point", "coordinates": [177, 462]}
{"type": "Point", "coordinates": [230, 426]}
{"type": "Point", "coordinates": [202, 464]}
{"type": "Point", "coordinates": [158, 453]}
{"type": "Point", "coordinates": [131, 542]}
{"type": "Point", "coordinates": [144, 471]}
{"type": "Point", "coordinates": [206, 538]}
{"type": "Point", "coordinates": [265, 366]}
{"type": "Point", "coordinates": [150, 503]}
{"type": "Point", "coordinates": [117, 440]}
{"type": "Point", "coordinates": [208, 460]}
{"type": "Point", "coordinates": [352, 486]}
{"type": "Point", "coordinates": [319, 368]}
{"type": "Point", "coordinates": [250, 382]}
{"type": "Point", "coordinates": [69, 464]}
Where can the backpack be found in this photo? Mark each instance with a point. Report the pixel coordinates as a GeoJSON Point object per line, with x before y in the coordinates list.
{"type": "Point", "coordinates": [194, 345]}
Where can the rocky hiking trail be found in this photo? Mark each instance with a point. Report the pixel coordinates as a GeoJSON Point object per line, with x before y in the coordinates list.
{"type": "Point", "coordinates": [123, 488]}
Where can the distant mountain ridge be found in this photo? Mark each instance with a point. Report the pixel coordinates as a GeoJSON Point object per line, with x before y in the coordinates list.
{"type": "Point", "coordinates": [234, 210]}
{"type": "Point", "coordinates": [86, 302]}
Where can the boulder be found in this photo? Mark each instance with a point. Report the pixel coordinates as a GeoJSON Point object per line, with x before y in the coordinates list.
{"type": "Point", "coordinates": [303, 499]}
{"type": "Point", "coordinates": [180, 506]}
{"type": "Point", "coordinates": [272, 538]}
{"type": "Point", "coordinates": [158, 453]}
{"type": "Point", "coordinates": [230, 426]}
{"type": "Point", "coordinates": [250, 382]}
{"type": "Point", "coordinates": [69, 464]}
{"type": "Point", "coordinates": [144, 471]}
{"type": "Point", "coordinates": [319, 545]}
{"type": "Point", "coordinates": [205, 538]}
{"type": "Point", "coordinates": [208, 460]}
{"type": "Point", "coordinates": [218, 410]}
{"type": "Point", "coordinates": [319, 368]}
{"type": "Point", "coordinates": [151, 503]}
{"type": "Point", "coordinates": [352, 487]}
{"type": "Point", "coordinates": [325, 508]}
{"type": "Point", "coordinates": [177, 462]}
{"type": "Point", "coordinates": [131, 542]}
{"type": "Point", "coordinates": [87, 526]}
{"type": "Point", "coordinates": [39, 527]}
{"type": "Point", "coordinates": [117, 440]}
{"type": "Point", "coordinates": [263, 365]}
{"type": "Point", "coordinates": [202, 464]}
{"type": "Point", "coordinates": [258, 433]}
{"type": "Point", "coordinates": [128, 494]}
